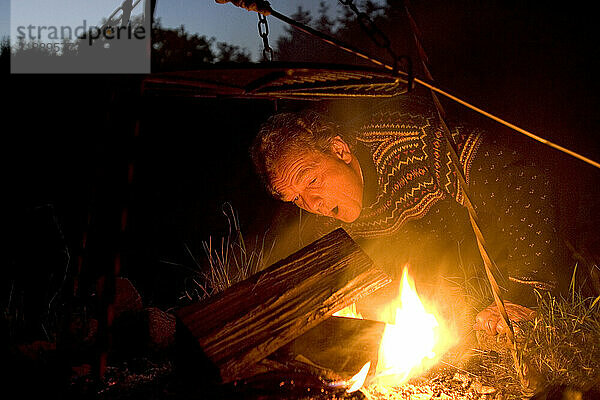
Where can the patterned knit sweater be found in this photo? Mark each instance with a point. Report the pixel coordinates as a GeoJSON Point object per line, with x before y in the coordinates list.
{"type": "Point", "coordinates": [411, 198]}
{"type": "Point", "coordinates": [413, 169]}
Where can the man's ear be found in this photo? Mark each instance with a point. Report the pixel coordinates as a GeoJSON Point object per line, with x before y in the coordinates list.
{"type": "Point", "coordinates": [341, 149]}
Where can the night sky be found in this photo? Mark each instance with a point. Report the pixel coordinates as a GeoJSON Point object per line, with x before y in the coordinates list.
{"type": "Point", "coordinates": [527, 62]}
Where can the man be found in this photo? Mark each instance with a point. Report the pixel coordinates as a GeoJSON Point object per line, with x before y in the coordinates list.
{"type": "Point", "coordinates": [391, 178]}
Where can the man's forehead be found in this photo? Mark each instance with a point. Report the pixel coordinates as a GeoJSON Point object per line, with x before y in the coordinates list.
{"type": "Point", "coordinates": [292, 170]}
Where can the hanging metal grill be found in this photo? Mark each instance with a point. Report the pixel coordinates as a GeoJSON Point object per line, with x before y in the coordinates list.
{"type": "Point", "coordinates": [277, 80]}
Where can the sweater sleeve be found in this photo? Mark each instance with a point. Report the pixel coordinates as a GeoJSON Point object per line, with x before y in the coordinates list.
{"type": "Point", "coordinates": [515, 200]}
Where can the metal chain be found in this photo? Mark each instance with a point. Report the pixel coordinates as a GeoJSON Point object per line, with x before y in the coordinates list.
{"type": "Point", "coordinates": [263, 31]}
{"type": "Point", "coordinates": [378, 37]}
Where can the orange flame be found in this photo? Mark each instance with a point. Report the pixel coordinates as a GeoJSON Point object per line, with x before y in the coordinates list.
{"type": "Point", "coordinates": [414, 340]}
{"type": "Point", "coordinates": [358, 380]}
{"type": "Point", "coordinates": [349, 312]}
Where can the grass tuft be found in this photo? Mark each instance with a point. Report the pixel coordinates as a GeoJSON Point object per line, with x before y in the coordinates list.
{"type": "Point", "coordinates": [228, 262]}
{"type": "Point", "coordinates": [563, 342]}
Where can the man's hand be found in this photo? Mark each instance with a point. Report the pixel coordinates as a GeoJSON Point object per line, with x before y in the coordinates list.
{"type": "Point", "coordinates": [260, 6]}
{"type": "Point", "coordinates": [490, 320]}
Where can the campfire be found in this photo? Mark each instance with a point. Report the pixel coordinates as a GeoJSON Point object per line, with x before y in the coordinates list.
{"type": "Point", "coordinates": [414, 338]}
{"type": "Point", "coordinates": [294, 331]}
{"type": "Point", "coordinates": [295, 327]}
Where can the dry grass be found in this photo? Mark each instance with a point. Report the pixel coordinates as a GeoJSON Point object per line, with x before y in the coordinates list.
{"type": "Point", "coordinates": [561, 346]}
{"type": "Point", "coordinates": [228, 262]}
{"type": "Point", "coordinates": [563, 342]}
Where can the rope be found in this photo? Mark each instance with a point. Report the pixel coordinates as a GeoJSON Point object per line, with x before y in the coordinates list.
{"type": "Point", "coordinates": [328, 39]}
{"type": "Point", "coordinates": [488, 262]}
{"type": "Point", "coordinates": [346, 47]}
{"type": "Point", "coordinates": [509, 125]}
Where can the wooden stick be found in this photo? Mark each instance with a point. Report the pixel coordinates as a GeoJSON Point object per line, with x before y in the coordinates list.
{"type": "Point", "coordinates": [339, 344]}
{"type": "Point", "coordinates": [250, 320]}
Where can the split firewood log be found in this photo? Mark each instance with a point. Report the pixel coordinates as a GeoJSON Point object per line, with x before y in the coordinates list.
{"type": "Point", "coordinates": [244, 324]}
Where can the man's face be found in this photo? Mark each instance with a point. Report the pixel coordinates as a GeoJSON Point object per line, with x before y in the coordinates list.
{"type": "Point", "coordinates": [327, 184]}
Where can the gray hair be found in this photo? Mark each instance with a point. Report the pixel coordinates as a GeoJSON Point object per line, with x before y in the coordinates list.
{"type": "Point", "coordinates": [287, 134]}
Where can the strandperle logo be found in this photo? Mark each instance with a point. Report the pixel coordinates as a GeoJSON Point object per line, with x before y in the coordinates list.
{"type": "Point", "coordinates": [38, 33]}
{"type": "Point", "coordinates": [62, 36]}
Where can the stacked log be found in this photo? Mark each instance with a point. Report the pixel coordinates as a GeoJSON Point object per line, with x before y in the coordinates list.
{"type": "Point", "coordinates": [241, 326]}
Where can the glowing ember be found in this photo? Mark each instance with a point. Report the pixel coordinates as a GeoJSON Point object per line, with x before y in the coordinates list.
{"type": "Point", "coordinates": [359, 379]}
{"type": "Point", "coordinates": [413, 341]}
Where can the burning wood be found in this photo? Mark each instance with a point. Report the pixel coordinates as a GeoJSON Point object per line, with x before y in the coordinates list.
{"type": "Point", "coordinates": [254, 318]}
{"type": "Point", "coordinates": [278, 324]}
{"type": "Point", "coordinates": [405, 352]}
{"type": "Point", "coordinates": [339, 344]}
{"type": "Point", "coordinates": [358, 380]}
{"type": "Point", "coordinates": [414, 337]}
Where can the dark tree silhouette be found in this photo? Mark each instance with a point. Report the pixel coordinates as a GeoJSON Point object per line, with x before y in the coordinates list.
{"type": "Point", "coordinates": [5, 55]}
{"type": "Point", "coordinates": [177, 49]}
{"type": "Point", "coordinates": [231, 53]}
{"type": "Point", "coordinates": [298, 46]}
